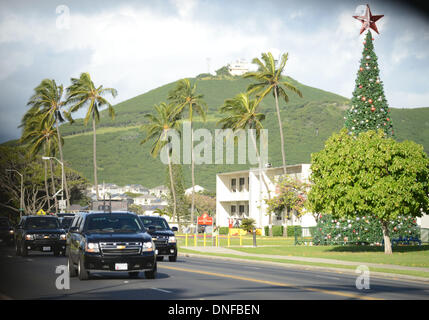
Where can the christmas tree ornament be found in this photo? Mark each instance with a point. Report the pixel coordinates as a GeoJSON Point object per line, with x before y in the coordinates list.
{"type": "Point", "coordinates": [370, 100]}
{"type": "Point", "coordinates": [368, 20]}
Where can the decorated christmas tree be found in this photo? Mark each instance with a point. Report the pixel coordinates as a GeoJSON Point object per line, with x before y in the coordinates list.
{"type": "Point", "coordinates": [369, 109]}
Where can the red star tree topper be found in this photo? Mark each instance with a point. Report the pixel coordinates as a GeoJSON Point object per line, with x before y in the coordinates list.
{"type": "Point", "coordinates": [368, 20]}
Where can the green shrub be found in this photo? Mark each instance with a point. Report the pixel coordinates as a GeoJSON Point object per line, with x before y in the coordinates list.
{"type": "Point", "coordinates": [223, 230]}
{"type": "Point", "coordinates": [277, 231]}
{"type": "Point", "coordinates": [291, 230]}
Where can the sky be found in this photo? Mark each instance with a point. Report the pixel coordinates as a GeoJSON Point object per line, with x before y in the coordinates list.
{"type": "Point", "coordinates": [137, 46]}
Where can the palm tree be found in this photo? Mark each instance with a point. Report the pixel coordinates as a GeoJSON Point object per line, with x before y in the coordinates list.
{"type": "Point", "coordinates": [269, 79]}
{"type": "Point", "coordinates": [47, 101]}
{"type": "Point", "coordinates": [185, 98]}
{"type": "Point", "coordinates": [82, 92]}
{"type": "Point", "coordinates": [38, 135]}
{"type": "Point", "coordinates": [157, 128]}
{"type": "Point", "coordinates": [242, 113]}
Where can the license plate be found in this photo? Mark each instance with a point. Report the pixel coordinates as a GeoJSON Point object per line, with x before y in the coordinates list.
{"type": "Point", "coordinates": [46, 248]}
{"type": "Point", "coordinates": [121, 266]}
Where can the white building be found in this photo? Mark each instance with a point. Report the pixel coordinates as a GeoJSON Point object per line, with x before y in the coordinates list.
{"type": "Point", "coordinates": [240, 195]}
{"type": "Point", "coordinates": [197, 189]}
{"type": "Point", "coordinates": [159, 191]}
{"type": "Point", "coordinates": [239, 67]}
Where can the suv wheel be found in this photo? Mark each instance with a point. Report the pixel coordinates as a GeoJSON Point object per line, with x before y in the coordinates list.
{"type": "Point", "coordinates": [172, 258]}
{"type": "Point", "coordinates": [71, 267]}
{"type": "Point", "coordinates": [151, 274]}
{"type": "Point", "coordinates": [81, 271]}
{"type": "Point", "coordinates": [56, 253]}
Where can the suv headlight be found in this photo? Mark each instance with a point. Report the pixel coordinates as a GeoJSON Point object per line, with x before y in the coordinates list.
{"type": "Point", "coordinates": [62, 237]}
{"type": "Point", "coordinates": [29, 237]}
{"type": "Point", "coordinates": [148, 246]}
{"type": "Point", "coordinates": [172, 240]}
{"type": "Point", "coordinates": [92, 247]}
{"type": "Point", "coordinates": [11, 231]}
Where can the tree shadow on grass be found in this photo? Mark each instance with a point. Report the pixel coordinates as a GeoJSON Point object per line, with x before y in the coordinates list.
{"type": "Point", "coordinates": [366, 248]}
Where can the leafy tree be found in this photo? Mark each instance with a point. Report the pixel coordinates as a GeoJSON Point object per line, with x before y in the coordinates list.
{"type": "Point", "coordinates": [82, 92]}
{"type": "Point", "coordinates": [136, 209]}
{"type": "Point", "coordinates": [370, 175]}
{"type": "Point", "coordinates": [223, 71]}
{"type": "Point", "coordinates": [204, 203]}
{"type": "Point", "coordinates": [186, 98]}
{"type": "Point", "coordinates": [248, 224]}
{"type": "Point", "coordinates": [157, 129]}
{"type": "Point", "coordinates": [291, 197]}
{"type": "Point", "coordinates": [369, 109]}
{"type": "Point", "coordinates": [268, 79]}
{"type": "Point", "coordinates": [48, 102]}
{"type": "Point", "coordinates": [40, 134]}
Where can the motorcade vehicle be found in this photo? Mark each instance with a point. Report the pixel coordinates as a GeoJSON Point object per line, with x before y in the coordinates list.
{"type": "Point", "coordinates": [6, 231]}
{"type": "Point", "coordinates": [162, 235]}
{"type": "Point", "coordinates": [66, 222]}
{"type": "Point", "coordinates": [39, 233]}
{"type": "Point", "coordinates": [109, 242]}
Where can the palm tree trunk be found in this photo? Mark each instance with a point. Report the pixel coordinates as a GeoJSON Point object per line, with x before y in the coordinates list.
{"type": "Point", "coordinates": [193, 179]}
{"type": "Point", "coordinates": [95, 156]}
{"type": "Point", "coordinates": [60, 148]}
{"type": "Point", "coordinates": [282, 142]}
{"type": "Point", "coordinates": [46, 179]}
{"type": "Point", "coordinates": [54, 191]}
{"type": "Point", "coordinates": [173, 189]}
{"type": "Point", "coordinates": [261, 178]}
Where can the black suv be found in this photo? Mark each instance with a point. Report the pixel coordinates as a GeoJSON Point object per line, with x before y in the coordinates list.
{"type": "Point", "coordinates": [117, 241]}
{"type": "Point", "coordinates": [66, 222]}
{"type": "Point", "coordinates": [6, 231]}
{"type": "Point", "coordinates": [162, 236]}
{"type": "Point", "coordinates": [39, 233]}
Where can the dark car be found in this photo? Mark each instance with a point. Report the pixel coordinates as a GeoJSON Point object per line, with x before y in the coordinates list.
{"type": "Point", "coordinates": [163, 237]}
{"type": "Point", "coordinates": [6, 231]}
{"type": "Point", "coordinates": [117, 241]}
{"type": "Point", "coordinates": [66, 222]}
{"type": "Point", "coordinates": [39, 233]}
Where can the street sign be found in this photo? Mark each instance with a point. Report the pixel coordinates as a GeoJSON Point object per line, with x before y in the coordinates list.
{"type": "Point", "coordinates": [62, 204]}
{"type": "Point", "coordinates": [41, 213]}
{"type": "Point", "coordinates": [205, 219]}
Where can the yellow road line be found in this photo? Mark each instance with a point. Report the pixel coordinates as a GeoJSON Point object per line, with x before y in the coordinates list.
{"type": "Point", "coordinates": [280, 284]}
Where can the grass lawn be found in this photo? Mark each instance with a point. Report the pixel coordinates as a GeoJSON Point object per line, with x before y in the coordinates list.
{"type": "Point", "coordinates": [412, 256]}
{"type": "Point", "coordinates": [384, 270]}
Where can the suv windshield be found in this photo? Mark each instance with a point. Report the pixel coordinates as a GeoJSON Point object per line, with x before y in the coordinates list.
{"type": "Point", "coordinates": [41, 223]}
{"type": "Point", "coordinates": [66, 222]}
{"type": "Point", "coordinates": [112, 223]}
{"type": "Point", "coordinates": [158, 223]}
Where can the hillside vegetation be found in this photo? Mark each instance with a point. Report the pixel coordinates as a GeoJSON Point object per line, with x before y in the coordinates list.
{"type": "Point", "coordinates": [307, 123]}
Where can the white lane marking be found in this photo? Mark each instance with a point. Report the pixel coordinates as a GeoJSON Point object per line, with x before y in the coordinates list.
{"type": "Point", "coordinates": [9, 256]}
{"type": "Point", "coordinates": [29, 260]}
{"type": "Point", "coordinates": [162, 290]}
{"type": "Point", "coordinates": [249, 267]}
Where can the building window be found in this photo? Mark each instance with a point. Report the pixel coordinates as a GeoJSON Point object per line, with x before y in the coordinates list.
{"type": "Point", "coordinates": [241, 184]}
{"type": "Point", "coordinates": [241, 210]}
{"type": "Point", "coordinates": [234, 185]}
{"type": "Point", "coordinates": [233, 210]}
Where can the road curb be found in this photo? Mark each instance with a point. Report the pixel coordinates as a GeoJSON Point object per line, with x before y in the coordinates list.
{"type": "Point", "coordinates": [381, 275]}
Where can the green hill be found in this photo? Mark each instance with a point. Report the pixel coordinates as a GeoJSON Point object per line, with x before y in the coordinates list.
{"type": "Point", "coordinates": [307, 123]}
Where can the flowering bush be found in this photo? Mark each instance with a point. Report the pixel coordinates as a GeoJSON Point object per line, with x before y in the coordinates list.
{"type": "Point", "coordinates": [361, 230]}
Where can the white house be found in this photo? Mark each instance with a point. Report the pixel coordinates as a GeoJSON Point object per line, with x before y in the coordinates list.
{"type": "Point", "coordinates": [240, 194]}
{"type": "Point", "coordinates": [197, 187]}
{"type": "Point", "coordinates": [238, 67]}
{"type": "Point", "coordinates": [159, 191]}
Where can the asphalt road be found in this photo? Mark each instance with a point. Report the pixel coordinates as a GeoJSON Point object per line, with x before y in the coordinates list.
{"type": "Point", "coordinates": [34, 277]}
